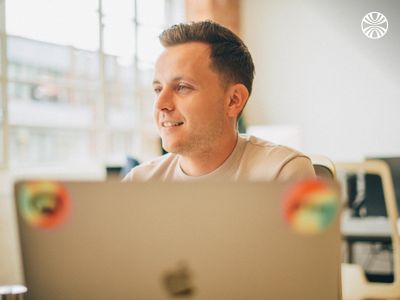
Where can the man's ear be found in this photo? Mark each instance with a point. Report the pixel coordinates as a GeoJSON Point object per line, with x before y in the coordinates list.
{"type": "Point", "coordinates": [238, 95]}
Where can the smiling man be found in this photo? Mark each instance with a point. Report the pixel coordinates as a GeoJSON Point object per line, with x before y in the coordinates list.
{"type": "Point", "coordinates": [202, 82]}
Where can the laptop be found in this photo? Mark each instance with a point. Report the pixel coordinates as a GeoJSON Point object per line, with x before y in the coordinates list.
{"type": "Point", "coordinates": [208, 240]}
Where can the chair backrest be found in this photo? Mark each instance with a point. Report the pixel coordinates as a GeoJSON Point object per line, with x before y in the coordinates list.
{"type": "Point", "coordinates": [366, 198]}
{"type": "Point", "coordinates": [355, 284]}
{"type": "Point", "coordinates": [374, 198]}
{"type": "Point", "coordinates": [323, 167]}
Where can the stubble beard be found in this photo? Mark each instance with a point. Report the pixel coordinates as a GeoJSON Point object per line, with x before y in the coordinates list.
{"type": "Point", "coordinates": [200, 142]}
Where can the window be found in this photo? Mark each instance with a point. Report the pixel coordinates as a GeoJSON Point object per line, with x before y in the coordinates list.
{"type": "Point", "coordinates": [2, 125]}
{"type": "Point", "coordinates": [79, 75]}
{"type": "Point", "coordinates": [3, 85]}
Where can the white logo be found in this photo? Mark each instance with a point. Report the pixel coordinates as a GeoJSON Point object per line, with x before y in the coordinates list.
{"type": "Point", "coordinates": [374, 25]}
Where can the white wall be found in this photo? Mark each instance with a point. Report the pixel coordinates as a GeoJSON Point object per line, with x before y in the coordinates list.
{"type": "Point", "coordinates": [315, 69]}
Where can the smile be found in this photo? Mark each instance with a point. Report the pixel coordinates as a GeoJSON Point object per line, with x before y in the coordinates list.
{"type": "Point", "coordinates": [169, 124]}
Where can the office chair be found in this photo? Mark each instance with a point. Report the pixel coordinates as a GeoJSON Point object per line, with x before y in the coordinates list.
{"type": "Point", "coordinates": [323, 167]}
{"type": "Point", "coordinates": [354, 281]}
{"type": "Point", "coordinates": [374, 199]}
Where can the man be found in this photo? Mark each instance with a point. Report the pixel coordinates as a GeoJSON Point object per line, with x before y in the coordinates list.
{"type": "Point", "coordinates": [202, 82]}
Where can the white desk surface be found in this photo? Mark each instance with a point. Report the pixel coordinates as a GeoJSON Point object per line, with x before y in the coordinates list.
{"type": "Point", "coordinates": [368, 226]}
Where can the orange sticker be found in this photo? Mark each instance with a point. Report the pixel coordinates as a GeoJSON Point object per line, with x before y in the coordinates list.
{"type": "Point", "coordinates": [44, 204]}
{"type": "Point", "coordinates": [310, 206]}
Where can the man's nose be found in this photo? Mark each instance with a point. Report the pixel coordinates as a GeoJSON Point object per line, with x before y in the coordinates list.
{"type": "Point", "coordinates": [165, 100]}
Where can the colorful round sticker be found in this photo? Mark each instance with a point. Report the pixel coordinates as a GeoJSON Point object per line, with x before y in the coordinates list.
{"type": "Point", "coordinates": [44, 204]}
{"type": "Point", "coordinates": [310, 206]}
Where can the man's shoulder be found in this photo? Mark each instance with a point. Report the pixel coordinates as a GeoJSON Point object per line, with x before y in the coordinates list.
{"type": "Point", "coordinates": [258, 146]}
{"type": "Point", "coordinates": [266, 160]}
{"type": "Point", "coordinates": [150, 169]}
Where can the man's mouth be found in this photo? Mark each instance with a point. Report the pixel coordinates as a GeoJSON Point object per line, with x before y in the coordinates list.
{"type": "Point", "coordinates": [168, 124]}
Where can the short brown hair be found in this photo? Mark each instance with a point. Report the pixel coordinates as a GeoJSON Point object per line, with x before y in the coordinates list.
{"type": "Point", "coordinates": [229, 55]}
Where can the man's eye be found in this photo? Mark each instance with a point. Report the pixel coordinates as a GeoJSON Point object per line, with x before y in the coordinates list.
{"type": "Point", "coordinates": [182, 87]}
{"type": "Point", "coordinates": [157, 90]}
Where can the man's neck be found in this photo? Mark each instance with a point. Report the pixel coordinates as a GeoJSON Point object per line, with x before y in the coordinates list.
{"type": "Point", "coordinates": [202, 163]}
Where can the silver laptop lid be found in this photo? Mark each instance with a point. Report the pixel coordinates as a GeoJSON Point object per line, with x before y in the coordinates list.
{"type": "Point", "coordinates": [86, 240]}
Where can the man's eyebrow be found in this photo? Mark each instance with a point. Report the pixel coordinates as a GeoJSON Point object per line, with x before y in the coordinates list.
{"type": "Point", "coordinates": [177, 78]}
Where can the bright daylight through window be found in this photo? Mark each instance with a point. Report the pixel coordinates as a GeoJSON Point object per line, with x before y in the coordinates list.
{"type": "Point", "coordinates": [77, 71]}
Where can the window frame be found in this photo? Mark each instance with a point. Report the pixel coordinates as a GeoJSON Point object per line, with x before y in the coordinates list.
{"type": "Point", "coordinates": [4, 160]}
{"type": "Point", "coordinates": [103, 129]}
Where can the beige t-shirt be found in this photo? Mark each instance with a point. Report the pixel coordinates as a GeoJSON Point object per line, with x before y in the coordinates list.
{"type": "Point", "coordinates": [252, 159]}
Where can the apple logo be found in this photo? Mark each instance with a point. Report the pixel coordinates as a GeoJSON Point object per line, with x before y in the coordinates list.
{"type": "Point", "coordinates": [178, 281]}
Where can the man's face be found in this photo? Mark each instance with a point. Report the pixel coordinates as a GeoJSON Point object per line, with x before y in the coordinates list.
{"type": "Point", "coordinates": [190, 105]}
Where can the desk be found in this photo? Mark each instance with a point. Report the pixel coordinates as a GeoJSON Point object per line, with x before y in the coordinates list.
{"type": "Point", "coordinates": [369, 229]}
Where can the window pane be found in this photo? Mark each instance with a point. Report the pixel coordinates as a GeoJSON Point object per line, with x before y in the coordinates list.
{"type": "Point", "coordinates": [119, 33]}
{"type": "Point", "coordinates": [1, 146]}
{"type": "Point", "coordinates": [149, 47]}
{"type": "Point", "coordinates": [151, 12]}
{"type": "Point", "coordinates": [1, 108]}
{"type": "Point", "coordinates": [1, 101]}
{"type": "Point", "coordinates": [54, 78]}
{"type": "Point", "coordinates": [66, 22]}
{"type": "Point", "coordinates": [53, 93]}
{"type": "Point", "coordinates": [39, 71]}
{"type": "Point", "coordinates": [1, 127]}
{"type": "Point", "coordinates": [2, 49]}
{"type": "Point", "coordinates": [123, 9]}
{"type": "Point", "coordinates": [37, 146]}
{"type": "Point", "coordinates": [119, 146]}
{"type": "Point", "coordinates": [121, 110]}
{"type": "Point", "coordinates": [85, 67]}
{"type": "Point", "coordinates": [119, 38]}
{"type": "Point", "coordinates": [2, 36]}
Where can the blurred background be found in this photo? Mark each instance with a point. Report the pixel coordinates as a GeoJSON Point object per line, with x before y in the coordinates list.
{"type": "Point", "coordinates": [76, 97]}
